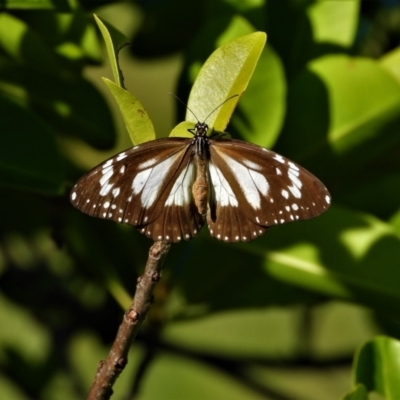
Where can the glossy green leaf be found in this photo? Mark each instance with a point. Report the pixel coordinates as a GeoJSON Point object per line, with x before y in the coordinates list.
{"type": "Point", "coordinates": [359, 393]}
{"type": "Point", "coordinates": [136, 119]}
{"type": "Point", "coordinates": [339, 113]}
{"type": "Point", "coordinates": [334, 22]}
{"type": "Point", "coordinates": [391, 62]}
{"type": "Point", "coordinates": [114, 41]}
{"type": "Point", "coordinates": [77, 33]}
{"type": "Point", "coordinates": [235, 279]}
{"type": "Point", "coordinates": [395, 221]}
{"type": "Point", "coordinates": [23, 45]}
{"type": "Point", "coordinates": [274, 333]}
{"type": "Point", "coordinates": [261, 111]}
{"type": "Point", "coordinates": [59, 5]}
{"type": "Point", "coordinates": [344, 254]}
{"type": "Point", "coordinates": [196, 381]}
{"type": "Point", "coordinates": [226, 73]}
{"type": "Point", "coordinates": [29, 157]}
{"type": "Point", "coordinates": [377, 367]}
{"type": "Point", "coordinates": [62, 100]}
{"type": "Point", "coordinates": [71, 36]}
{"type": "Point", "coordinates": [181, 130]}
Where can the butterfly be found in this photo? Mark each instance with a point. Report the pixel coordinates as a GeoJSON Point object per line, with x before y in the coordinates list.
{"type": "Point", "coordinates": [168, 188]}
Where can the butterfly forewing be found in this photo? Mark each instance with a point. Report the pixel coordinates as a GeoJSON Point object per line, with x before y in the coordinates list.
{"type": "Point", "coordinates": [253, 188]}
{"type": "Point", "coordinates": [148, 186]}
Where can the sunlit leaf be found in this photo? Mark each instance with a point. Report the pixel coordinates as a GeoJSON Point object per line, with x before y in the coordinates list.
{"type": "Point", "coordinates": [359, 393]}
{"type": "Point", "coordinates": [391, 62]}
{"type": "Point", "coordinates": [261, 110]}
{"type": "Point", "coordinates": [160, 382]}
{"type": "Point", "coordinates": [226, 73]}
{"type": "Point", "coordinates": [334, 22]}
{"type": "Point", "coordinates": [59, 5]}
{"type": "Point", "coordinates": [136, 119]}
{"type": "Point", "coordinates": [63, 100]}
{"type": "Point", "coordinates": [377, 367]}
{"type": "Point", "coordinates": [345, 254]}
{"type": "Point", "coordinates": [23, 44]}
{"type": "Point", "coordinates": [337, 105]}
{"type": "Point", "coordinates": [114, 41]}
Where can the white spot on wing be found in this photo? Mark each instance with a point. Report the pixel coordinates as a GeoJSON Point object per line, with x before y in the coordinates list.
{"type": "Point", "coordinates": [296, 181]}
{"type": "Point", "coordinates": [279, 158]}
{"type": "Point", "coordinates": [181, 191]}
{"type": "Point", "coordinates": [328, 199]}
{"type": "Point", "coordinates": [149, 181]}
{"type": "Point", "coordinates": [105, 189]}
{"type": "Point", "coordinates": [285, 193]}
{"type": "Point", "coordinates": [73, 196]}
{"type": "Point", "coordinates": [148, 163]}
{"type": "Point", "coordinates": [107, 174]}
{"type": "Point", "coordinates": [295, 191]}
{"type": "Point", "coordinates": [107, 164]}
{"type": "Point", "coordinates": [121, 156]}
{"type": "Point", "coordinates": [251, 182]}
{"type": "Point", "coordinates": [251, 164]}
{"type": "Point", "coordinates": [223, 191]}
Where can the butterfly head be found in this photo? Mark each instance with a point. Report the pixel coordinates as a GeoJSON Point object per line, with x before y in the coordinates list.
{"type": "Point", "coordinates": [201, 129]}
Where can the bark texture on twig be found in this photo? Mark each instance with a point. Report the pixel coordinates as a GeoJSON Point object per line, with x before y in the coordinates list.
{"type": "Point", "coordinates": [110, 368]}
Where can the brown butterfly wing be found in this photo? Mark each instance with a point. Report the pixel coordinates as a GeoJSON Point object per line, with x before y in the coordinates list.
{"type": "Point", "coordinates": [148, 186]}
{"type": "Point", "coordinates": [253, 188]}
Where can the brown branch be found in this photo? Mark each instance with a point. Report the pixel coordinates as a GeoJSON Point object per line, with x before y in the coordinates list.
{"type": "Point", "coordinates": [110, 368]}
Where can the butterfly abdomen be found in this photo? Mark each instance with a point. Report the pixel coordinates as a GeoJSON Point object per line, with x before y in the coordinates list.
{"type": "Point", "coordinates": [200, 185]}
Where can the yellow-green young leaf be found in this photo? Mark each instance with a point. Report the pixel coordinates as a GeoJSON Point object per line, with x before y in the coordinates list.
{"type": "Point", "coordinates": [334, 22]}
{"type": "Point", "coordinates": [359, 393]}
{"type": "Point", "coordinates": [377, 366]}
{"type": "Point", "coordinates": [391, 62]}
{"type": "Point", "coordinates": [114, 41]}
{"type": "Point", "coordinates": [262, 109]}
{"type": "Point", "coordinates": [137, 121]}
{"type": "Point", "coordinates": [225, 73]}
{"type": "Point", "coordinates": [181, 130]}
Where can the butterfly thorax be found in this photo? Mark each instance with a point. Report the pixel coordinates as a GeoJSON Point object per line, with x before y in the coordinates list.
{"type": "Point", "coordinates": [200, 187]}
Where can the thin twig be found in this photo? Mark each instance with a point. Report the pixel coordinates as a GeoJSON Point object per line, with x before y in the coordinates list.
{"type": "Point", "coordinates": [110, 368]}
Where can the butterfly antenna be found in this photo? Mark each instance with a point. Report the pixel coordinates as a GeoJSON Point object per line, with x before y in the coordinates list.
{"type": "Point", "coordinates": [180, 101]}
{"type": "Point", "coordinates": [216, 108]}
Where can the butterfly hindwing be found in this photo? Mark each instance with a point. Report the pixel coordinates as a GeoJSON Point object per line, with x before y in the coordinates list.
{"type": "Point", "coordinates": [148, 186]}
{"type": "Point", "coordinates": [253, 188]}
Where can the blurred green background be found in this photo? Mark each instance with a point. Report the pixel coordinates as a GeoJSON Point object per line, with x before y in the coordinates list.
{"type": "Point", "coordinates": [279, 318]}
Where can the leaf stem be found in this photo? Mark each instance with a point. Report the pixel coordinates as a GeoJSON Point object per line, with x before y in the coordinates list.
{"type": "Point", "coordinates": [109, 369]}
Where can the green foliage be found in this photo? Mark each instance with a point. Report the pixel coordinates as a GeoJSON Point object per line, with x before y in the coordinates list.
{"type": "Point", "coordinates": [377, 367]}
{"type": "Point", "coordinates": [228, 321]}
